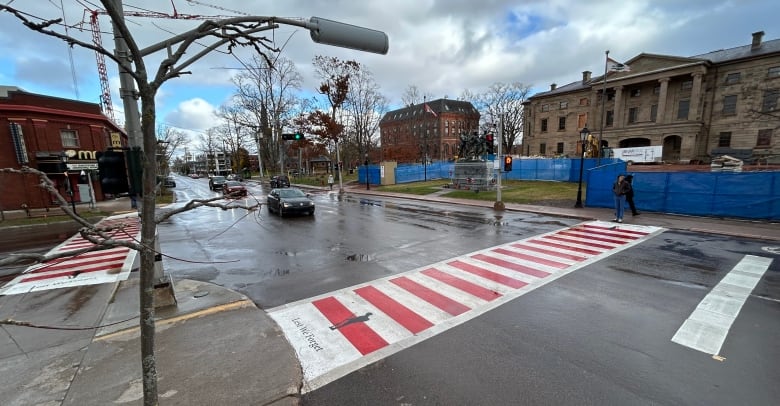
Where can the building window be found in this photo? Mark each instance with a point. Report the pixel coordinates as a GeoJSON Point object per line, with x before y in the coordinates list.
{"type": "Point", "coordinates": [773, 72]}
{"type": "Point", "coordinates": [563, 105]}
{"type": "Point", "coordinates": [653, 112]}
{"type": "Point", "coordinates": [561, 123]}
{"type": "Point", "coordinates": [732, 78]}
{"type": "Point", "coordinates": [730, 105]}
{"type": "Point", "coordinates": [582, 120]}
{"type": "Point", "coordinates": [657, 90]}
{"type": "Point", "coordinates": [687, 85]}
{"type": "Point", "coordinates": [545, 107]}
{"type": "Point", "coordinates": [610, 118]}
{"type": "Point", "coordinates": [724, 139]}
{"type": "Point", "coordinates": [544, 125]}
{"type": "Point", "coordinates": [682, 109]}
{"type": "Point", "coordinates": [636, 92]}
{"type": "Point", "coordinates": [764, 138]}
{"type": "Point", "coordinates": [610, 96]}
{"type": "Point", "coordinates": [559, 148]}
{"type": "Point", "coordinates": [770, 100]}
{"type": "Point", "coordinates": [542, 149]}
{"type": "Point", "coordinates": [70, 138]}
{"type": "Point", "coordinates": [632, 114]}
{"type": "Point", "coordinates": [584, 101]}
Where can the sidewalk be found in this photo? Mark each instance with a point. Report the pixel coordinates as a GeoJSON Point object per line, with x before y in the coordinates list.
{"type": "Point", "coordinates": [216, 347]}
{"type": "Point", "coordinates": [760, 230]}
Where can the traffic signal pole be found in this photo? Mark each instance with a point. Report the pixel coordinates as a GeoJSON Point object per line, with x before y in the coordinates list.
{"type": "Point", "coordinates": [499, 205]}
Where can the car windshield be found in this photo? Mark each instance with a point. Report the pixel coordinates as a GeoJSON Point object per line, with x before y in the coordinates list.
{"type": "Point", "coordinates": [232, 183]}
{"type": "Point", "coordinates": [290, 193]}
{"type": "Point", "coordinates": [218, 179]}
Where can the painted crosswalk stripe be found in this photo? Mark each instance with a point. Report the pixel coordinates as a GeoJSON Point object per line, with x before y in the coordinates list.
{"type": "Point", "coordinates": [431, 296]}
{"type": "Point", "coordinates": [88, 268]}
{"type": "Point", "coordinates": [339, 332]}
{"type": "Point", "coordinates": [708, 326]}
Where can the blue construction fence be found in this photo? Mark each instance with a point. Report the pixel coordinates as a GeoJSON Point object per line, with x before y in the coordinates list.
{"type": "Point", "coordinates": [563, 170]}
{"type": "Point", "coordinates": [747, 195]}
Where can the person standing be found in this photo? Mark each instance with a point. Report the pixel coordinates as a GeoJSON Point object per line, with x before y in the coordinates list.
{"type": "Point", "coordinates": [630, 195]}
{"type": "Point", "coordinates": [619, 189]}
{"type": "Point", "coordinates": [330, 181]}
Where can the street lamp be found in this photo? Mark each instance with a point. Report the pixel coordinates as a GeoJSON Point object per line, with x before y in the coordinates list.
{"type": "Point", "coordinates": [68, 187]}
{"type": "Point", "coordinates": [583, 136]}
{"type": "Point", "coordinates": [366, 163]}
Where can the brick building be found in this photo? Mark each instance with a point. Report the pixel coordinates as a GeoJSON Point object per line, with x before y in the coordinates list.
{"type": "Point", "coordinates": [57, 136]}
{"type": "Point", "coordinates": [411, 133]}
{"type": "Point", "coordinates": [722, 102]}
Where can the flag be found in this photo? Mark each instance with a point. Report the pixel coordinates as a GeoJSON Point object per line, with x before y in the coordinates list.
{"type": "Point", "coordinates": [428, 109]}
{"type": "Point", "coordinates": [615, 66]}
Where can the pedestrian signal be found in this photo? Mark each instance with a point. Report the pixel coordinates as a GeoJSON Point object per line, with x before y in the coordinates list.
{"type": "Point", "coordinates": [112, 172]}
{"type": "Point", "coordinates": [508, 163]}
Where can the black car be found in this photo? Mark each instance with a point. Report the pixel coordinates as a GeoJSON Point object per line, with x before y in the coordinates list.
{"type": "Point", "coordinates": [289, 201]}
{"type": "Point", "coordinates": [280, 181]}
{"type": "Point", "coordinates": [216, 182]}
{"type": "Point", "coordinates": [169, 182]}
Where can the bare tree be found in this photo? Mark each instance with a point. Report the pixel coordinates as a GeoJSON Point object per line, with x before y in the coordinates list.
{"type": "Point", "coordinates": [413, 95]}
{"type": "Point", "coordinates": [169, 140]}
{"type": "Point", "coordinates": [240, 31]}
{"type": "Point", "coordinates": [366, 106]}
{"type": "Point", "coordinates": [335, 85]}
{"type": "Point", "coordinates": [230, 33]}
{"type": "Point", "coordinates": [504, 99]}
{"type": "Point", "coordinates": [266, 91]}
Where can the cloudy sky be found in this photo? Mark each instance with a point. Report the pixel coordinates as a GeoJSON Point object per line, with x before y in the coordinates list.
{"type": "Point", "coordinates": [440, 46]}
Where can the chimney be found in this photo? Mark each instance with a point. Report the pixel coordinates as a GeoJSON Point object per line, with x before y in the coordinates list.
{"type": "Point", "coordinates": [585, 77]}
{"type": "Point", "coordinates": [756, 40]}
{"type": "Point", "coordinates": [553, 86]}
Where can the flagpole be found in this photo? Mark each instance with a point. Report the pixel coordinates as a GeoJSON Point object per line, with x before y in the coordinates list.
{"type": "Point", "coordinates": [603, 107]}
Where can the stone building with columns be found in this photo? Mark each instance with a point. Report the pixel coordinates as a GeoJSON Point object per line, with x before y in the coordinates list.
{"type": "Point", "coordinates": [699, 107]}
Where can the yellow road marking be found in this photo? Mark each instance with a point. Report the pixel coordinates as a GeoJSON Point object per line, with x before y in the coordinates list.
{"type": "Point", "coordinates": [205, 312]}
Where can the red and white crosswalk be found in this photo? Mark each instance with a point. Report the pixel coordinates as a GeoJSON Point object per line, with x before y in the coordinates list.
{"type": "Point", "coordinates": [89, 268]}
{"type": "Point", "coordinates": [339, 332]}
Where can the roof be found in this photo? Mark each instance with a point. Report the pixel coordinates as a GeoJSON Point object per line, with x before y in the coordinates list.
{"type": "Point", "coordinates": [438, 106]}
{"type": "Point", "coordinates": [716, 57]}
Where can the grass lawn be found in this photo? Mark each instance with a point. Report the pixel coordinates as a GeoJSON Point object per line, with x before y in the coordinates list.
{"type": "Point", "coordinates": [512, 191]}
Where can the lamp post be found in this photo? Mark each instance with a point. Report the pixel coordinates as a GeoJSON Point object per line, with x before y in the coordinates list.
{"type": "Point", "coordinates": [583, 136]}
{"type": "Point", "coordinates": [68, 187]}
{"type": "Point", "coordinates": [368, 187]}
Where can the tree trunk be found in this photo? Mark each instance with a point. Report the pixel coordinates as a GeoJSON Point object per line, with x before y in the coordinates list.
{"type": "Point", "coordinates": [148, 236]}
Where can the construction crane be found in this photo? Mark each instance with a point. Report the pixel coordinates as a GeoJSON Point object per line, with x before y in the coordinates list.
{"type": "Point", "coordinates": [105, 90]}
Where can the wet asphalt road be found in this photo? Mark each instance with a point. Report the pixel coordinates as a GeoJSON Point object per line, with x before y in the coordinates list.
{"type": "Point", "coordinates": [600, 335]}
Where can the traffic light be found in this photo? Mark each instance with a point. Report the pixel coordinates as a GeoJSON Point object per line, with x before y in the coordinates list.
{"type": "Point", "coordinates": [508, 163]}
{"type": "Point", "coordinates": [489, 142]}
{"type": "Point", "coordinates": [293, 137]}
{"type": "Point", "coordinates": [112, 172]}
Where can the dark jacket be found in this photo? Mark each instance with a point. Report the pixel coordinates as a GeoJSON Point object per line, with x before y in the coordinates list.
{"type": "Point", "coordinates": [621, 188]}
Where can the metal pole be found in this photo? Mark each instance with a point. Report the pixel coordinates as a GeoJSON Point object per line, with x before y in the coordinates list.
{"type": "Point", "coordinates": [338, 167]}
{"type": "Point", "coordinates": [583, 137]}
{"type": "Point", "coordinates": [603, 108]}
{"type": "Point", "coordinates": [500, 142]}
{"type": "Point", "coordinates": [368, 187]}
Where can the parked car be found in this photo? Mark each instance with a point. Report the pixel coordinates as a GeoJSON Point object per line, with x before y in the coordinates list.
{"type": "Point", "coordinates": [234, 176]}
{"type": "Point", "coordinates": [289, 201]}
{"type": "Point", "coordinates": [233, 188]}
{"type": "Point", "coordinates": [279, 181]}
{"type": "Point", "coordinates": [169, 182]}
{"type": "Point", "coordinates": [216, 182]}
{"type": "Point", "coordinates": [194, 176]}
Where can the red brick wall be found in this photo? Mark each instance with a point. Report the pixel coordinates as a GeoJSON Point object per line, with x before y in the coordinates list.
{"type": "Point", "coordinates": [41, 119]}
